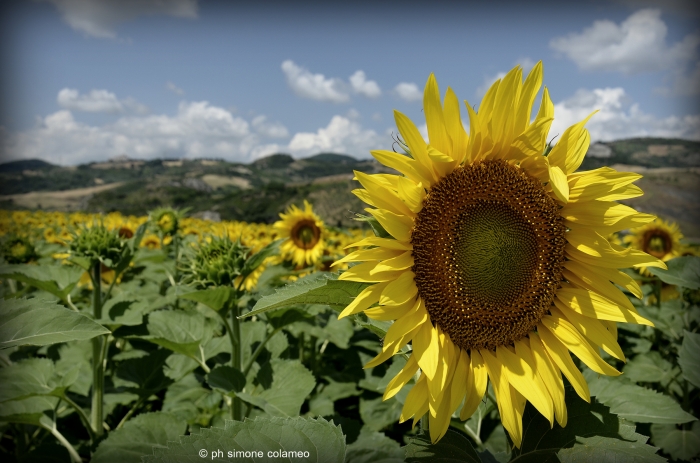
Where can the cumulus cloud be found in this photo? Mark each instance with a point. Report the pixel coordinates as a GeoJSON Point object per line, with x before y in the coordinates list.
{"type": "Point", "coordinates": [314, 86]}
{"type": "Point", "coordinates": [408, 91]}
{"type": "Point", "coordinates": [341, 135]}
{"type": "Point", "coordinates": [198, 129]}
{"type": "Point", "coordinates": [174, 88]}
{"type": "Point", "coordinates": [638, 44]}
{"type": "Point", "coordinates": [361, 85]}
{"type": "Point", "coordinates": [99, 18]}
{"type": "Point", "coordinates": [98, 101]}
{"type": "Point", "coordinates": [619, 117]}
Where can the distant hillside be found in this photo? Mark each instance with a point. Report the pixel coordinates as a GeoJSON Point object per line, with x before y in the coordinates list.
{"type": "Point", "coordinates": [258, 191]}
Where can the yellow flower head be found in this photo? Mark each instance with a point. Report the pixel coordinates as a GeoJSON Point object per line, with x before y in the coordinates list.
{"type": "Point", "coordinates": [659, 238]}
{"type": "Point", "coordinates": [495, 265]}
{"type": "Point", "coordinates": [304, 231]}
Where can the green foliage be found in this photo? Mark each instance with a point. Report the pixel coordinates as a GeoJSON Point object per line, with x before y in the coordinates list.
{"type": "Point", "coordinates": [98, 244]}
{"type": "Point", "coordinates": [452, 448]}
{"type": "Point", "coordinates": [323, 441]}
{"type": "Point", "coordinates": [38, 322]}
{"type": "Point", "coordinates": [689, 357]}
{"type": "Point", "coordinates": [139, 437]}
{"type": "Point", "coordinates": [58, 280]}
{"type": "Point", "coordinates": [217, 263]}
{"type": "Point", "coordinates": [682, 271]}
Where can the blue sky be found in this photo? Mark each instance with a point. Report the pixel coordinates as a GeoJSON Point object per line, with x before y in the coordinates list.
{"type": "Point", "coordinates": [89, 80]}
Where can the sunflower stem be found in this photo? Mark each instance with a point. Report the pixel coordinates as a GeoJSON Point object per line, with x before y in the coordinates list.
{"type": "Point", "coordinates": [234, 333]}
{"type": "Point", "coordinates": [98, 377]}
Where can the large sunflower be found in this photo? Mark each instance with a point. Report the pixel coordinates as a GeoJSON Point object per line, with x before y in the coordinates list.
{"type": "Point", "coordinates": [497, 265]}
{"type": "Point", "coordinates": [303, 230]}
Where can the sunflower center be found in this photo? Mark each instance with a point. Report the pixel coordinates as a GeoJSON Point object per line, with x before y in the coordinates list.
{"type": "Point", "coordinates": [305, 234]}
{"type": "Point", "coordinates": [657, 243]}
{"type": "Point", "coordinates": [488, 249]}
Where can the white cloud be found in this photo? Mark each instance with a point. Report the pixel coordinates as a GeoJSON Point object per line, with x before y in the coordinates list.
{"type": "Point", "coordinates": [99, 18]}
{"type": "Point", "coordinates": [361, 85]}
{"type": "Point", "coordinates": [408, 91]}
{"type": "Point", "coordinates": [341, 135]}
{"type": "Point", "coordinates": [198, 129]}
{"type": "Point", "coordinates": [174, 88]}
{"type": "Point", "coordinates": [618, 117]}
{"type": "Point", "coordinates": [269, 129]}
{"type": "Point", "coordinates": [314, 86]}
{"type": "Point", "coordinates": [98, 101]}
{"type": "Point", "coordinates": [638, 44]}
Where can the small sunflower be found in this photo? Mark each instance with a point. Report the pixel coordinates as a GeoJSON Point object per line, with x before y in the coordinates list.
{"type": "Point", "coordinates": [497, 265]}
{"type": "Point", "coordinates": [303, 230]}
{"type": "Point", "coordinates": [659, 238]}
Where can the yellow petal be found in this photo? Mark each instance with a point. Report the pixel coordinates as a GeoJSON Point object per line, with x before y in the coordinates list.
{"type": "Point", "coordinates": [476, 385]}
{"type": "Point", "coordinates": [521, 375]}
{"type": "Point", "coordinates": [572, 147]}
{"type": "Point", "coordinates": [364, 300]}
{"type": "Point", "coordinates": [382, 196]}
{"type": "Point", "coordinates": [400, 380]}
{"type": "Point", "coordinates": [362, 274]}
{"type": "Point", "coordinates": [532, 85]}
{"type": "Point", "coordinates": [455, 129]}
{"type": "Point", "coordinates": [400, 262]}
{"type": "Point", "coordinates": [390, 312]}
{"type": "Point", "coordinates": [559, 185]}
{"type": "Point", "coordinates": [561, 358]}
{"type": "Point", "coordinates": [589, 278]}
{"type": "Point", "coordinates": [593, 329]}
{"type": "Point", "coordinates": [459, 380]}
{"type": "Point", "coordinates": [411, 194]}
{"type": "Point", "coordinates": [365, 255]}
{"type": "Point", "coordinates": [416, 400]}
{"type": "Point", "coordinates": [609, 257]}
{"type": "Point", "coordinates": [504, 401]}
{"type": "Point", "coordinates": [399, 291]}
{"type": "Point", "coordinates": [434, 118]}
{"type": "Point", "coordinates": [398, 226]}
{"type": "Point", "coordinates": [414, 319]}
{"type": "Point", "coordinates": [416, 144]}
{"type": "Point", "coordinates": [382, 242]}
{"type": "Point", "coordinates": [426, 349]}
{"type": "Point", "coordinates": [532, 141]}
{"type": "Point", "coordinates": [407, 166]}
{"type": "Point", "coordinates": [593, 305]}
{"type": "Point", "coordinates": [547, 371]}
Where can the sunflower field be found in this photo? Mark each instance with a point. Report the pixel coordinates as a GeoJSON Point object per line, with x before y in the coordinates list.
{"type": "Point", "coordinates": [440, 329]}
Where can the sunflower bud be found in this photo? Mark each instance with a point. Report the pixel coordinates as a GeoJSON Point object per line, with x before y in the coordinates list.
{"type": "Point", "coordinates": [98, 244]}
{"type": "Point", "coordinates": [217, 263]}
{"type": "Point", "coordinates": [166, 220]}
{"type": "Point", "coordinates": [18, 250]}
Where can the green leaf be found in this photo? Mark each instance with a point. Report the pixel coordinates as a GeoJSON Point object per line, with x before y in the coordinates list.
{"type": "Point", "coordinates": [689, 357]}
{"type": "Point", "coordinates": [180, 331]}
{"type": "Point", "coordinates": [318, 288]}
{"type": "Point", "coordinates": [146, 372]}
{"type": "Point", "coordinates": [33, 376]}
{"type": "Point", "coordinates": [649, 368]}
{"type": "Point", "coordinates": [636, 403]}
{"type": "Point", "coordinates": [37, 322]}
{"type": "Point", "coordinates": [682, 271]}
{"type": "Point", "coordinates": [322, 402]}
{"type": "Point", "coordinates": [259, 257]}
{"type": "Point", "coordinates": [374, 447]}
{"type": "Point", "coordinates": [138, 437]}
{"type": "Point", "coordinates": [377, 228]}
{"type": "Point", "coordinates": [282, 318]}
{"type": "Point", "coordinates": [323, 441]}
{"type": "Point", "coordinates": [28, 411]}
{"type": "Point", "coordinates": [681, 444]}
{"type": "Point", "coordinates": [58, 280]}
{"type": "Point", "coordinates": [600, 449]}
{"type": "Point", "coordinates": [214, 298]}
{"type": "Point", "coordinates": [378, 414]}
{"type": "Point", "coordinates": [452, 448]}
{"type": "Point", "coordinates": [585, 420]}
{"type": "Point", "coordinates": [76, 355]}
{"type": "Point", "coordinates": [291, 383]}
{"type": "Point", "coordinates": [226, 378]}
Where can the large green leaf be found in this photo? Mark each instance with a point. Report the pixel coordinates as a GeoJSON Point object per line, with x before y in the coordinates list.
{"type": "Point", "coordinates": [378, 414]}
{"type": "Point", "coordinates": [145, 372]}
{"type": "Point", "coordinates": [214, 298]}
{"type": "Point", "coordinates": [58, 280]}
{"type": "Point", "coordinates": [139, 437]}
{"type": "Point", "coordinates": [291, 383]}
{"type": "Point", "coordinates": [649, 368]}
{"type": "Point", "coordinates": [180, 331]}
{"type": "Point", "coordinates": [30, 410]}
{"type": "Point", "coordinates": [37, 322]}
{"type": "Point", "coordinates": [682, 271]}
{"type": "Point", "coordinates": [681, 444]}
{"type": "Point", "coordinates": [374, 447]}
{"type": "Point", "coordinates": [636, 403]}
{"type": "Point", "coordinates": [319, 288]}
{"type": "Point", "coordinates": [323, 441]}
{"type": "Point", "coordinates": [600, 449]}
{"type": "Point", "coordinates": [587, 422]}
{"type": "Point", "coordinates": [322, 403]}
{"type": "Point", "coordinates": [31, 377]}
{"type": "Point", "coordinates": [689, 357]}
{"type": "Point", "coordinates": [226, 378]}
{"type": "Point", "coordinates": [452, 448]}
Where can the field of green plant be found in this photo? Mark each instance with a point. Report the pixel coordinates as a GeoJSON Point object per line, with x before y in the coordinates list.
{"type": "Point", "coordinates": [166, 338]}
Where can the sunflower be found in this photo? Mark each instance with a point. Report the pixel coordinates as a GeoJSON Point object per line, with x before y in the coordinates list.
{"type": "Point", "coordinates": [304, 231]}
{"type": "Point", "coordinates": [495, 263]}
{"type": "Point", "coordinates": [659, 238]}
